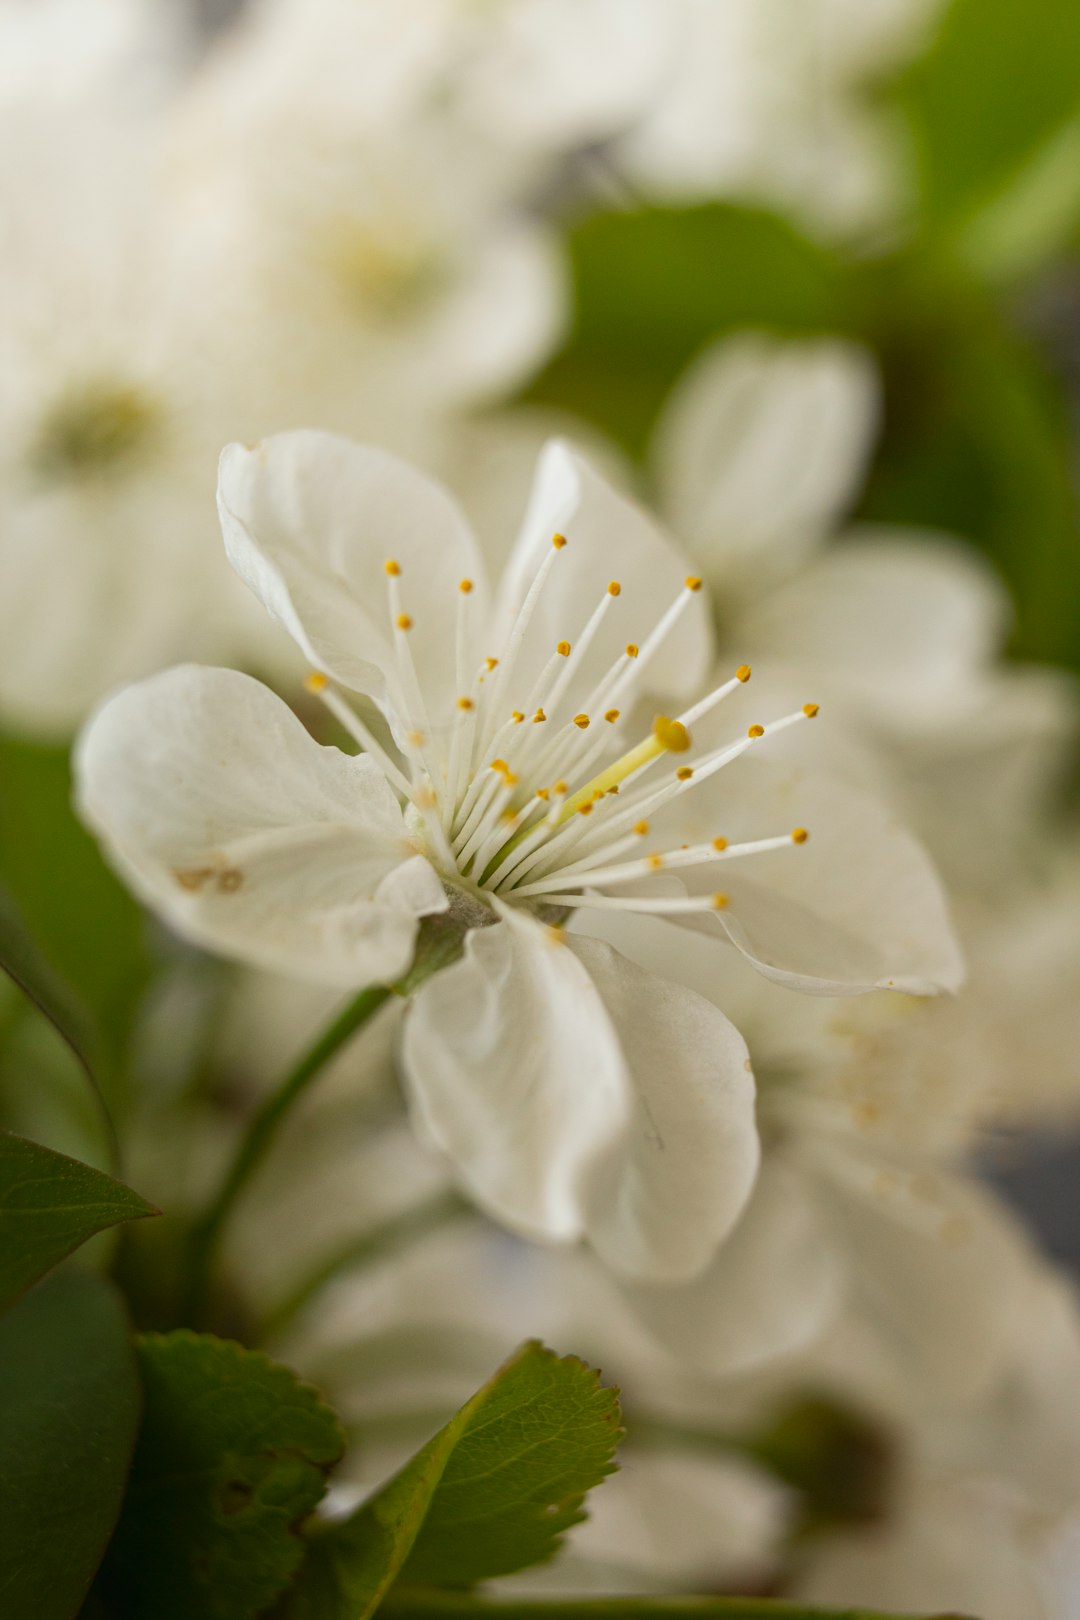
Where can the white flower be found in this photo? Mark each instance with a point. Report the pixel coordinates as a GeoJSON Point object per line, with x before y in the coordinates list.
{"type": "Point", "coordinates": [757, 455]}
{"type": "Point", "coordinates": [523, 74]}
{"type": "Point", "coordinates": [519, 783]}
{"type": "Point", "coordinates": [769, 102]}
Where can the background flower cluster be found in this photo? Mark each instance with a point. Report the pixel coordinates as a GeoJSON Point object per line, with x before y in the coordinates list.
{"type": "Point", "coordinates": [803, 282]}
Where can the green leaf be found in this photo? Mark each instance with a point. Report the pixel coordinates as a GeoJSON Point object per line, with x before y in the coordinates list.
{"type": "Point", "coordinates": [1001, 80]}
{"type": "Point", "coordinates": [23, 962]}
{"type": "Point", "coordinates": [232, 1456]}
{"type": "Point", "coordinates": [68, 1418]}
{"type": "Point", "coordinates": [491, 1493]}
{"type": "Point", "coordinates": [87, 926]}
{"type": "Point", "coordinates": [49, 1205]}
{"type": "Point", "coordinates": [653, 285]}
{"type": "Point", "coordinates": [978, 442]}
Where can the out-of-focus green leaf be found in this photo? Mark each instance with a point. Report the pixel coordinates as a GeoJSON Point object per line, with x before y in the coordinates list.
{"type": "Point", "coordinates": [491, 1493]}
{"type": "Point", "coordinates": [978, 441]}
{"type": "Point", "coordinates": [232, 1456]}
{"type": "Point", "coordinates": [653, 285]}
{"type": "Point", "coordinates": [87, 927]}
{"type": "Point", "coordinates": [68, 1415]}
{"type": "Point", "coordinates": [24, 963]}
{"type": "Point", "coordinates": [49, 1205]}
{"type": "Point", "coordinates": [999, 80]}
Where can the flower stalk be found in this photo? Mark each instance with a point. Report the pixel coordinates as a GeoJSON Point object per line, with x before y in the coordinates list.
{"type": "Point", "coordinates": [206, 1235]}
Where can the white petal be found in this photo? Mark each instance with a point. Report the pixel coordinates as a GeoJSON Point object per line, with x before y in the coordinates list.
{"type": "Point", "coordinates": [858, 907]}
{"type": "Point", "coordinates": [672, 1519]}
{"type": "Point", "coordinates": [692, 1151]}
{"type": "Point", "coordinates": [581, 1097]}
{"type": "Point", "coordinates": [310, 521]}
{"type": "Point", "coordinates": [901, 624]}
{"type": "Point", "coordinates": [957, 1545]}
{"type": "Point", "coordinates": [939, 1266]}
{"type": "Point", "coordinates": [502, 316]}
{"type": "Point", "coordinates": [770, 1291]}
{"type": "Point", "coordinates": [515, 1072]}
{"type": "Point", "coordinates": [250, 838]}
{"type": "Point", "coordinates": [761, 447]}
{"type": "Point", "coordinates": [608, 538]}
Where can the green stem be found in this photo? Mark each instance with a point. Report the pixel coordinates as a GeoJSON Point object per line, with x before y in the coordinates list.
{"type": "Point", "coordinates": [360, 1251]}
{"type": "Point", "coordinates": [206, 1235]}
{"type": "Point", "coordinates": [415, 1604]}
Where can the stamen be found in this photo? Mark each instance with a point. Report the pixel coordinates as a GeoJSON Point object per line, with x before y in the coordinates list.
{"type": "Point", "coordinates": [589, 870]}
{"type": "Point", "coordinates": [674, 906]}
{"type": "Point", "coordinates": [317, 684]}
{"type": "Point", "coordinates": [518, 629]}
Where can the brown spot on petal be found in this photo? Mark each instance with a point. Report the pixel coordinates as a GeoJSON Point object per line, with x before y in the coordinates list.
{"type": "Point", "coordinates": [230, 880]}
{"type": "Point", "coordinates": [193, 878]}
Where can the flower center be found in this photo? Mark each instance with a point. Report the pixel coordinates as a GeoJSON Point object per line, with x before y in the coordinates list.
{"type": "Point", "coordinates": [91, 429]}
{"type": "Point", "coordinates": [386, 269]}
{"type": "Point", "coordinates": [524, 800]}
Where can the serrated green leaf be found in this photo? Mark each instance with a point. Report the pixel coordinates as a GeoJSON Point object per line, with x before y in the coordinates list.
{"type": "Point", "coordinates": [49, 1205]}
{"type": "Point", "coordinates": [68, 1418]}
{"type": "Point", "coordinates": [653, 285]}
{"type": "Point", "coordinates": [493, 1491]}
{"type": "Point", "coordinates": [232, 1456]}
{"type": "Point", "coordinates": [1000, 80]}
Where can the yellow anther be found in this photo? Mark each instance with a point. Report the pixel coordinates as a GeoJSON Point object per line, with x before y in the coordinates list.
{"type": "Point", "coordinates": [415, 739]}
{"type": "Point", "coordinates": [755, 731]}
{"type": "Point", "coordinates": [563, 649]}
{"type": "Point", "coordinates": [555, 934]}
{"type": "Point", "coordinates": [392, 568]}
{"type": "Point", "coordinates": [510, 779]}
{"type": "Point", "coordinates": [586, 808]}
{"type": "Point", "coordinates": [491, 663]}
{"type": "Point", "coordinates": [743, 673]}
{"type": "Point", "coordinates": [692, 582]}
{"type": "Point", "coordinates": [614, 788]}
{"type": "Point", "coordinates": [465, 587]}
{"type": "Point", "coordinates": [517, 717]}
{"type": "Point", "coordinates": [641, 828]}
{"type": "Point", "coordinates": [581, 721]}
{"type": "Point", "coordinates": [611, 715]}
{"type": "Point", "coordinates": [672, 735]}
{"type": "Point", "coordinates": [499, 765]}
{"type": "Point", "coordinates": [598, 793]}
{"type": "Point", "coordinates": [719, 844]}
{"type": "Point", "coordinates": [799, 835]}
{"type": "Point", "coordinates": [539, 717]}
{"type": "Point", "coordinates": [720, 902]}
{"type": "Point", "coordinates": [613, 587]}
{"type": "Point", "coordinates": [558, 541]}
{"type": "Point", "coordinates": [560, 786]}
{"type": "Point", "coordinates": [509, 816]}
{"type": "Point", "coordinates": [684, 773]}
{"type": "Point", "coordinates": [543, 793]}
{"type": "Point", "coordinates": [654, 862]}
{"type": "Point", "coordinates": [810, 710]}
{"type": "Point", "coordinates": [316, 681]}
{"type": "Point", "coordinates": [465, 704]}
{"type": "Point", "coordinates": [403, 622]}
{"type": "Point", "coordinates": [631, 649]}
